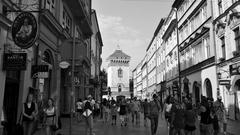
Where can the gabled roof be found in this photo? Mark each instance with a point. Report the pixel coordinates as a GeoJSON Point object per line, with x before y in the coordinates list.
{"type": "Point", "coordinates": [118, 54]}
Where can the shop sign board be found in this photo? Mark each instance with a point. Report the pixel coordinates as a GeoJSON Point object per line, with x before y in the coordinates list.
{"type": "Point", "coordinates": [24, 30]}
{"type": "Point", "coordinates": [224, 82]}
{"type": "Point", "coordinates": [40, 71]}
{"type": "Point", "coordinates": [234, 69]}
{"type": "Point", "coordinates": [14, 61]}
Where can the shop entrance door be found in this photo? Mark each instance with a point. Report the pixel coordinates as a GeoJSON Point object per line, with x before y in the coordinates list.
{"type": "Point", "coordinates": [10, 102]}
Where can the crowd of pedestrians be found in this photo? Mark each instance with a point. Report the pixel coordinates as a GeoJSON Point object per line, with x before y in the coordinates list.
{"type": "Point", "coordinates": [182, 117]}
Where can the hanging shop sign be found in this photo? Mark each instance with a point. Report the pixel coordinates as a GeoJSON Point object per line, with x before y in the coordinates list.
{"type": "Point", "coordinates": [234, 69]}
{"type": "Point", "coordinates": [40, 71]}
{"type": "Point", "coordinates": [24, 30]}
{"type": "Point", "coordinates": [224, 82]}
{"type": "Point", "coordinates": [14, 61]}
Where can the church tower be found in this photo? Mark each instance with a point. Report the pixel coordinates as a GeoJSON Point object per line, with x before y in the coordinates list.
{"type": "Point", "coordinates": [118, 74]}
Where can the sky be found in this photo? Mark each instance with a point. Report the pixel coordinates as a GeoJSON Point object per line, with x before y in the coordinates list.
{"type": "Point", "coordinates": [129, 24]}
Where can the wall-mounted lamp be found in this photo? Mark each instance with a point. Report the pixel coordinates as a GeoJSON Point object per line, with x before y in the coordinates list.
{"type": "Point", "coordinates": [219, 75]}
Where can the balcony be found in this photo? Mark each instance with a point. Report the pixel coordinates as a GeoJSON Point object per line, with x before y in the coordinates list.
{"type": "Point", "coordinates": [78, 9]}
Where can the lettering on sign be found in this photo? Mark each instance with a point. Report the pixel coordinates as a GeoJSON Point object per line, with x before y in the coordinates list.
{"type": "Point", "coordinates": [14, 61]}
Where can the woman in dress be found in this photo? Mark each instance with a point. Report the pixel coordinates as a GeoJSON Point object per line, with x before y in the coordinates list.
{"type": "Point", "coordinates": [51, 118]}
{"type": "Point", "coordinates": [30, 111]}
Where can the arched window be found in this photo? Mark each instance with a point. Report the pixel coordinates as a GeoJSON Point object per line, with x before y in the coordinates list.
{"type": "Point", "coordinates": [120, 73]}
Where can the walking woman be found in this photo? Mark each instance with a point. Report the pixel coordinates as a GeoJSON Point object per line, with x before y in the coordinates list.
{"type": "Point", "coordinates": [123, 112]}
{"type": "Point", "coordinates": [30, 112]}
{"type": "Point", "coordinates": [51, 118]}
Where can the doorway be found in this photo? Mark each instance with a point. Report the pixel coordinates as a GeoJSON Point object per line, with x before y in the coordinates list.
{"type": "Point", "coordinates": [196, 91]}
{"type": "Point", "coordinates": [11, 96]}
{"type": "Point", "coordinates": [208, 88]}
{"type": "Point", "coordinates": [237, 100]}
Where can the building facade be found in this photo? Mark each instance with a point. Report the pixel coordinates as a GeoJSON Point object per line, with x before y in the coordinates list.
{"type": "Point", "coordinates": [118, 74]}
{"type": "Point", "coordinates": [96, 61]}
{"type": "Point", "coordinates": [226, 29]}
{"type": "Point", "coordinates": [144, 91]}
{"type": "Point", "coordinates": [63, 26]}
{"type": "Point", "coordinates": [139, 81]}
{"type": "Point", "coordinates": [171, 53]}
{"type": "Point", "coordinates": [151, 66]}
{"type": "Point", "coordinates": [161, 60]}
{"type": "Point", "coordinates": [77, 47]}
{"type": "Point", "coordinates": [196, 48]}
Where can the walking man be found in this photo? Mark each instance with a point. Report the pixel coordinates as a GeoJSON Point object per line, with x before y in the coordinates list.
{"type": "Point", "coordinates": [136, 110]}
{"type": "Point", "coordinates": [220, 113]}
{"type": "Point", "coordinates": [145, 111]}
{"type": "Point", "coordinates": [155, 108]}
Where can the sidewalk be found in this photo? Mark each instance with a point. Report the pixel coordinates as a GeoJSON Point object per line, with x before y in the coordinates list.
{"type": "Point", "coordinates": [233, 127]}
{"type": "Point", "coordinates": [101, 128]}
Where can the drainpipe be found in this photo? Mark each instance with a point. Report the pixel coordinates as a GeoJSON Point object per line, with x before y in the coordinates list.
{"type": "Point", "coordinates": [72, 79]}
{"type": "Point", "coordinates": [215, 51]}
{"type": "Point", "coordinates": [179, 70]}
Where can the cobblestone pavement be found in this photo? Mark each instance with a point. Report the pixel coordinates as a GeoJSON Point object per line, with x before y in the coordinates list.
{"type": "Point", "coordinates": [101, 128]}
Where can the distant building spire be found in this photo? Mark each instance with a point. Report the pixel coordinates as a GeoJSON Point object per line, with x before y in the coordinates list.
{"type": "Point", "coordinates": [118, 47]}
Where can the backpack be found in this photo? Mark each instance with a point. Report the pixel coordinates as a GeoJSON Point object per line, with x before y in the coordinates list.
{"type": "Point", "coordinates": [87, 106]}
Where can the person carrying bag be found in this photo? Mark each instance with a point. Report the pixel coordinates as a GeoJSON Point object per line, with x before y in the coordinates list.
{"type": "Point", "coordinates": [51, 118]}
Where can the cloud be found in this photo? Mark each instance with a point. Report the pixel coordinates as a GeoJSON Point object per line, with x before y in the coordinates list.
{"type": "Point", "coordinates": [114, 32]}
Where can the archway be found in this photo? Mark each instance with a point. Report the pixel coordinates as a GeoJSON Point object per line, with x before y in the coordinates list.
{"type": "Point", "coordinates": [208, 88]}
{"type": "Point", "coordinates": [196, 92]}
{"type": "Point", "coordinates": [237, 99]}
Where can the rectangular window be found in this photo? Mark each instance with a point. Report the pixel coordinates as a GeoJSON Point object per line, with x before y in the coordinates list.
{"type": "Point", "coordinates": [237, 38]}
{"type": "Point", "coordinates": [207, 47]}
{"type": "Point", "coordinates": [204, 11]}
{"type": "Point", "coordinates": [67, 21]}
{"type": "Point", "coordinates": [223, 47]}
{"type": "Point", "coordinates": [220, 7]}
{"type": "Point", "coordinates": [50, 5]}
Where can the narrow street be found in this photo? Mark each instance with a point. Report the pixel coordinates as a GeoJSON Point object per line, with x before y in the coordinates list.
{"type": "Point", "coordinates": [100, 128]}
{"type": "Point", "coordinates": [107, 129]}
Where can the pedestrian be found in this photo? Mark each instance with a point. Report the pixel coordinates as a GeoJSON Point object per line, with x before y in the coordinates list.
{"type": "Point", "coordinates": [88, 114]}
{"type": "Point", "coordinates": [167, 109]}
{"type": "Point", "coordinates": [154, 110]}
{"type": "Point", "coordinates": [123, 112]}
{"type": "Point", "coordinates": [206, 117]}
{"type": "Point", "coordinates": [177, 117]}
{"type": "Point", "coordinates": [30, 111]}
{"type": "Point", "coordinates": [51, 117]}
{"type": "Point", "coordinates": [106, 111]}
{"type": "Point", "coordinates": [79, 105]}
{"type": "Point", "coordinates": [135, 111]}
{"type": "Point", "coordinates": [114, 111]}
{"type": "Point", "coordinates": [145, 111]}
{"type": "Point", "coordinates": [190, 119]}
{"type": "Point", "coordinates": [97, 109]}
{"type": "Point", "coordinates": [220, 115]}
